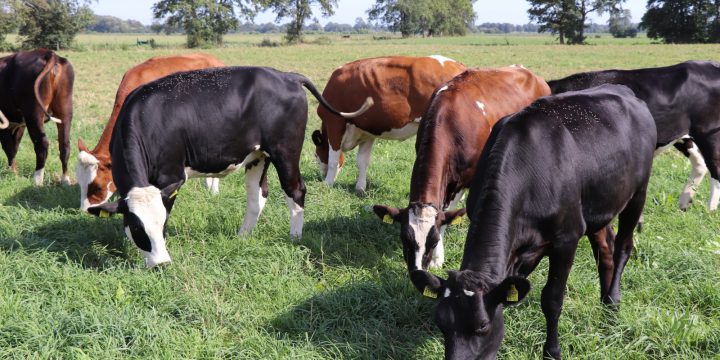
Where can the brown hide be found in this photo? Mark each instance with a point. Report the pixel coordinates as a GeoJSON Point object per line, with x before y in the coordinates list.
{"type": "Point", "coordinates": [454, 130]}
{"type": "Point", "coordinates": [400, 86]}
{"type": "Point", "coordinates": [152, 69]}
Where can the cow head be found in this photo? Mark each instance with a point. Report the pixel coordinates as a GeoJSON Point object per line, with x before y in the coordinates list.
{"type": "Point", "coordinates": [145, 213]}
{"type": "Point", "coordinates": [469, 310]}
{"type": "Point", "coordinates": [322, 149]}
{"type": "Point", "coordinates": [94, 176]}
{"type": "Point", "coordinates": [420, 229]}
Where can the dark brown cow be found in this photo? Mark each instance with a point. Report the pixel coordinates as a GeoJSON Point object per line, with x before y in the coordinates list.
{"type": "Point", "coordinates": [94, 166]}
{"type": "Point", "coordinates": [401, 87]}
{"type": "Point", "coordinates": [451, 137]}
{"type": "Point", "coordinates": [33, 85]}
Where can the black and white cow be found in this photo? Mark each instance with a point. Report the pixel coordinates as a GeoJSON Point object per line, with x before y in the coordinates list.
{"type": "Point", "coordinates": [562, 168]}
{"type": "Point", "coordinates": [685, 102]}
{"type": "Point", "coordinates": [208, 123]}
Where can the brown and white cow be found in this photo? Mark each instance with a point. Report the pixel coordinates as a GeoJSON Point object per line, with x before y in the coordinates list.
{"type": "Point", "coordinates": [401, 87]}
{"type": "Point", "coordinates": [451, 137]}
{"type": "Point", "coordinates": [94, 167]}
{"type": "Point", "coordinates": [33, 85]}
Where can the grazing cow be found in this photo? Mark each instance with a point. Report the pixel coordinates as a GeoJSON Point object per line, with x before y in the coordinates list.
{"type": "Point", "coordinates": [33, 85]}
{"type": "Point", "coordinates": [684, 102]}
{"type": "Point", "coordinates": [451, 137]}
{"type": "Point", "coordinates": [207, 122]}
{"type": "Point", "coordinates": [563, 167]}
{"type": "Point", "coordinates": [402, 87]}
{"type": "Point", "coordinates": [94, 167]}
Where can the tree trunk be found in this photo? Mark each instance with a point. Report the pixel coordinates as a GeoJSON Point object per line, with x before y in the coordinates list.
{"type": "Point", "coordinates": [562, 38]}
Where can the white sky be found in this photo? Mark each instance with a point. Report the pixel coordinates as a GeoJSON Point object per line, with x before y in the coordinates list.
{"type": "Point", "coordinates": [499, 11]}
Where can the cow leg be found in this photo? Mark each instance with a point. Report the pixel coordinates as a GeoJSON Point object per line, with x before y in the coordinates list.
{"type": "Point", "coordinates": [553, 294]}
{"type": "Point", "coordinates": [627, 221]}
{"type": "Point", "coordinates": [698, 172]}
{"type": "Point", "coordinates": [602, 243]}
{"type": "Point", "coordinates": [11, 143]}
{"type": "Point", "coordinates": [213, 184]}
{"type": "Point", "coordinates": [64, 146]}
{"type": "Point", "coordinates": [287, 164]}
{"type": "Point", "coordinates": [714, 194]}
{"type": "Point", "coordinates": [333, 166]}
{"type": "Point", "coordinates": [363, 161]}
{"type": "Point", "coordinates": [33, 120]}
{"type": "Point", "coordinates": [257, 192]}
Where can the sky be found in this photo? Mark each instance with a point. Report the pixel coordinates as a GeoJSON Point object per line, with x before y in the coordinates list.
{"type": "Point", "coordinates": [499, 11]}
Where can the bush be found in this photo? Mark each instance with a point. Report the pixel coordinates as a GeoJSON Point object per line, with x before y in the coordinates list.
{"type": "Point", "coordinates": [268, 43]}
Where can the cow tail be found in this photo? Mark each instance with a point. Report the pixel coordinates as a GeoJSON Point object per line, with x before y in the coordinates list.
{"type": "Point", "coordinates": [311, 87]}
{"type": "Point", "coordinates": [48, 66]}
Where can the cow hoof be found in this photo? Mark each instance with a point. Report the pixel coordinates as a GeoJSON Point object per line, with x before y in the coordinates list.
{"type": "Point", "coordinates": [38, 177]}
{"type": "Point", "coordinates": [65, 180]}
{"type": "Point", "coordinates": [360, 192]}
{"type": "Point", "coordinates": [436, 263]}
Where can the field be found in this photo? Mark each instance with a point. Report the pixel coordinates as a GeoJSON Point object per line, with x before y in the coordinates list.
{"type": "Point", "coordinates": [73, 287]}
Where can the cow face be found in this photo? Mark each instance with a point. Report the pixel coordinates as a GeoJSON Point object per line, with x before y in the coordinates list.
{"type": "Point", "coordinates": [420, 230]}
{"type": "Point", "coordinates": [94, 175]}
{"type": "Point", "coordinates": [145, 213]}
{"type": "Point", "coordinates": [469, 312]}
{"type": "Point", "coordinates": [322, 149]}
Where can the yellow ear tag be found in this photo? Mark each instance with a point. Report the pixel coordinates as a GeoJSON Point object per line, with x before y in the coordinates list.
{"type": "Point", "coordinates": [457, 220]}
{"type": "Point", "coordinates": [388, 219]}
{"type": "Point", "coordinates": [429, 293]}
{"type": "Point", "coordinates": [512, 294]}
{"type": "Point", "coordinates": [174, 194]}
{"type": "Point", "coordinates": [104, 214]}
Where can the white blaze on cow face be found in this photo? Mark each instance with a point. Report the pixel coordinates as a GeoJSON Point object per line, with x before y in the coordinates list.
{"type": "Point", "coordinates": [86, 171]}
{"type": "Point", "coordinates": [421, 221]}
{"type": "Point", "coordinates": [441, 59]}
{"type": "Point", "coordinates": [146, 204]}
{"type": "Point", "coordinates": [297, 214]}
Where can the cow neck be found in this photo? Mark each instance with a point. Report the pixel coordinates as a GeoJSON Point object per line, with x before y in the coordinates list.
{"type": "Point", "coordinates": [103, 145]}
{"type": "Point", "coordinates": [130, 164]}
{"type": "Point", "coordinates": [432, 173]}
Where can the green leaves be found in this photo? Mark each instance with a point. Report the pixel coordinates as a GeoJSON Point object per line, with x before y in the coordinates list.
{"type": "Point", "coordinates": [425, 17]}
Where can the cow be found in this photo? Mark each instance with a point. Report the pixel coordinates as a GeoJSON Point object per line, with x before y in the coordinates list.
{"type": "Point", "coordinates": [201, 123]}
{"type": "Point", "coordinates": [451, 137]}
{"type": "Point", "coordinates": [94, 167]}
{"type": "Point", "coordinates": [561, 168]}
{"type": "Point", "coordinates": [36, 87]}
{"type": "Point", "coordinates": [402, 87]}
{"type": "Point", "coordinates": [683, 99]}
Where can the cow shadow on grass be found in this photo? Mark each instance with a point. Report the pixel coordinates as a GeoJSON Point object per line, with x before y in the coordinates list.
{"type": "Point", "coordinates": [88, 241]}
{"type": "Point", "coordinates": [357, 241]}
{"type": "Point", "coordinates": [49, 196]}
{"type": "Point", "coordinates": [384, 319]}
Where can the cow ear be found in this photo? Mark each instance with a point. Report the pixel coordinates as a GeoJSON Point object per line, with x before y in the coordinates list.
{"type": "Point", "coordinates": [109, 209]}
{"type": "Point", "coordinates": [387, 214]}
{"type": "Point", "coordinates": [453, 217]}
{"type": "Point", "coordinates": [427, 284]}
{"type": "Point", "coordinates": [317, 138]}
{"type": "Point", "coordinates": [509, 292]}
{"type": "Point", "coordinates": [170, 191]}
{"type": "Point", "coordinates": [81, 146]}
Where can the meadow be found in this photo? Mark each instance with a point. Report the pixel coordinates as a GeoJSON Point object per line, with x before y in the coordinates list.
{"type": "Point", "coordinates": [73, 287]}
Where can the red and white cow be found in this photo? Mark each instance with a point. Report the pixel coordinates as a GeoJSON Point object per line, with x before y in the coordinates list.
{"type": "Point", "coordinates": [94, 167]}
{"type": "Point", "coordinates": [401, 87]}
{"type": "Point", "coordinates": [451, 137]}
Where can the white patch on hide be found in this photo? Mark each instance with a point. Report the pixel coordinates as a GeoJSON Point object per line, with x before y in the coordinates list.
{"type": "Point", "coordinates": [86, 172]}
{"type": "Point", "coordinates": [481, 106]}
{"type": "Point", "coordinates": [420, 224]}
{"type": "Point", "coordinates": [297, 214]}
{"type": "Point", "coordinates": [441, 59]}
{"type": "Point", "coordinates": [146, 203]}
{"type": "Point", "coordinates": [698, 172]}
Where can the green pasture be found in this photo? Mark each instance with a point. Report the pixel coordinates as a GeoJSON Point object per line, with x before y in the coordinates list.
{"type": "Point", "coordinates": [73, 287]}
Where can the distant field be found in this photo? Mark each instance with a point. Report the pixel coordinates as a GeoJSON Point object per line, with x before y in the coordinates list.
{"type": "Point", "coordinates": [73, 287]}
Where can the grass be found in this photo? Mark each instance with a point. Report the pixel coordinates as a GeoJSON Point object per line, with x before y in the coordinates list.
{"type": "Point", "coordinates": [73, 287]}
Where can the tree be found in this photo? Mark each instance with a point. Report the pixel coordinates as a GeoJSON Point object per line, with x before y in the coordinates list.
{"type": "Point", "coordinates": [8, 23]}
{"type": "Point", "coordinates": [567, 17]}
{"type": "Point", "coordinates": [52, 23]}
{"type": "Point", "coordinates": [297, 11]}
{"type": "Point", "coordinates": [683, 21]}
{"type": "Point", "coordinates": [204, 21]}
{"type": "Point", "coordinates": [620, 24]}
{"type": "Point", "coordinates": [424, 17]}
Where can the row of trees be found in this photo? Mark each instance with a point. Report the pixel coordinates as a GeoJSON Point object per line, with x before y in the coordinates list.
{"type": "Point", "coordinates": [43, 23]}
{"type": "Point", "coordinates": [567, 18]}
{"type": "Point", "coordinates": [683, 21]}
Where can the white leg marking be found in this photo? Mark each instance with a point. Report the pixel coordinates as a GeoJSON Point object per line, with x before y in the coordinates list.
{"type": "Point", "coordinates": [297, 214]}
{"type": "Point", "coordinates": [38, 177]}
{"type": "Point", "coordinates": [698, 172]}
{"type": "Point", "coordinates": [363, 161]}
{"type": "Point", "coordinates": [65, 179]}
{"type": "Point", "coordinates": [86, 172]}
{"type": "Point", "coordinates": [714, 194]}
{"type": "Point", "coordinates": [421, 222]}
{"type": "Point", "coordinates": [333, 166]}
{"type": "Point", "coordinates": [212, 184]}
{"type": "Point", "coordinates": [255, 200]}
